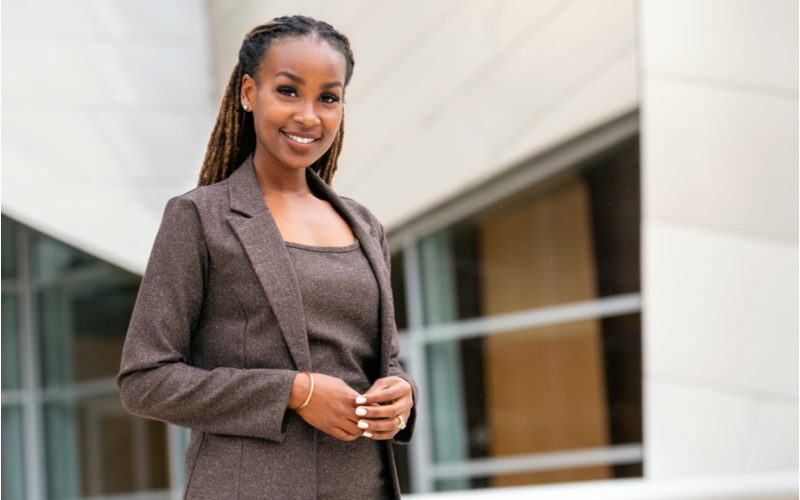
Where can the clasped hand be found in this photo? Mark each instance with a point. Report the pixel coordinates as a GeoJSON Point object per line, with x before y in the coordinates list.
{"type": "Point", "coordinates": [336, 409]}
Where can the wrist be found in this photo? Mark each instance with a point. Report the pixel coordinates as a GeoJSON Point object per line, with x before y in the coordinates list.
{"type": "Point", "coordinates": [300, 389]}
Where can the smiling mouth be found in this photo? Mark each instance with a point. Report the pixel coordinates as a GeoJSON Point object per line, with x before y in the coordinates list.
{"type": "Point", "coordinates": [300, 140]}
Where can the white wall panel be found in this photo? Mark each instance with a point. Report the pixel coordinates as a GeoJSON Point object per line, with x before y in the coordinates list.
{"type": "Point", "coordinates": [611, 91]}
{"type": "Point", "coordinates": [475, 140]}
{"type": "Point", "coordinates": [774, 436]}
{"type": "Point", "coordinates": [694, 430]}
{"type": "Point", "coordinates": [143, 21]}
{"type": "Point", "coordinates": [749, 43]}
{"type": "Point", "coordinates": [387, 35]}
{"type": "Point", "coordinates": [466, 107]}
{"type": "Point", "coordinates": [720, 255]}
{"type": "Point", "coordinates": [104, 76]}
{"type": "Point", "coordinates": [722, 158]}
{"type": "Point", "coordinates": [722, 308]}
{"type": "Point", "coordinates": [106, 113]}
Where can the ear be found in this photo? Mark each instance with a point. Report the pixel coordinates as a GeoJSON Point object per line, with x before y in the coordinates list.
{"type": "Point", "coordinates": [247, 92]}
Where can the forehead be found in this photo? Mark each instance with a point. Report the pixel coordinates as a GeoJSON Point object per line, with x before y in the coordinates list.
{"type": "Point", "coordinates": [306, 57]}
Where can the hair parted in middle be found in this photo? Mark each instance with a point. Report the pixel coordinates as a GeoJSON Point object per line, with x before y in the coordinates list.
{"type": "Point", "coordinates": [234, 136]}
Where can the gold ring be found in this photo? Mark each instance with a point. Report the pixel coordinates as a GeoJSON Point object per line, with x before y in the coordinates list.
{"type": "Point", "coordinates": [402, 424]}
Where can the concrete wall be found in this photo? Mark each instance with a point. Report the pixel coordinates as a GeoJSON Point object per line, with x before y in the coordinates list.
{"type": "Point", "coordinates": [720, 175]}
{"type": "Point", "coordinates": [107, 107]}
{"type": "Point", "coordinates": [446, 94]}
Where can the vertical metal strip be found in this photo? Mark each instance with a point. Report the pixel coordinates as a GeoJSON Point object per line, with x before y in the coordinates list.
{"type": "Point", "coordinates": [421, 479]}
{"type": "Point", "coordinates": [176, 443]}
{"type": "Point", "coordinates": [32, 395]}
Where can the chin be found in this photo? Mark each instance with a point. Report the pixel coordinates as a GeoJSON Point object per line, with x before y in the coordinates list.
{"type": "Point", "coordinates": [302, 162]}
{"type": "Point", "coordinates": [301, 165]}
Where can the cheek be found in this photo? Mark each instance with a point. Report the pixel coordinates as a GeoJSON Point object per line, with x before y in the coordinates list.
{"type": "Point", "coordinates": [332, 119]}
{"type": "Point", "coordinates": [273, 110]}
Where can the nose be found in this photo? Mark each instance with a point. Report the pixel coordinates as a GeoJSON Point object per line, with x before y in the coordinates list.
{"type": "Point", "coordinates": [306, 115]}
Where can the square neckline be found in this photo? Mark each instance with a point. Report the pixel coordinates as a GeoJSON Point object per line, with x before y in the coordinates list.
{"type": "Point", "coordinates": [321, 248]}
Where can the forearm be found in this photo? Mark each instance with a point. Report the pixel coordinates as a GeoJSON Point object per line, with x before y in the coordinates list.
{"type": "Point", "coordinates": [244, 402]}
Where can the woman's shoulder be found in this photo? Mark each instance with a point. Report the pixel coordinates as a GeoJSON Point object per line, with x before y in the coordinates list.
{"type": "Point", "coordinates": [364, 213]}
{"type": "Point", "coordinates": [204, 198]}
{"type": "Point", "coordinates": [205, 206]}
{"type": "Point", "coordinates": [206, 194]}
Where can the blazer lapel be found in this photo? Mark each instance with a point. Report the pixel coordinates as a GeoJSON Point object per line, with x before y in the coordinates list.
{"type": "Point", "coordinates": [368, 239]}
{"type": "Point", "coordinates": [263, 243]}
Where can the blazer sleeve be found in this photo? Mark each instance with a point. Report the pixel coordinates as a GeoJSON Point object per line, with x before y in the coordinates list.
{"type": "Point", "coordinates": [395, 369]}
{"type": "Point", "coordinates": [156, 379]}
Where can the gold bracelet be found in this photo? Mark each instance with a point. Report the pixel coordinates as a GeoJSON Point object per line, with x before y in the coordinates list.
{"type": "Point", "coordinates": [310, 392]}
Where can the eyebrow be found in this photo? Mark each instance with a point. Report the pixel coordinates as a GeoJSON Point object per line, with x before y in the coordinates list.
{"type": "Point", "coordinates": [299, 80]}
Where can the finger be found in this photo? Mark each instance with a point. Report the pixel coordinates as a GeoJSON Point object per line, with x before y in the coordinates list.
{"type": "Point", "coordinates": [387, 393]}
{"type": "Point", "coordinates": [386, 411]}
{"type": "Point", "coordinates": [385, 382]}
{"type": "Point", "coordinates": [351, 427]}
{"type": "Point", "coordinates": [345, 435]}
{"type": "Point", "coordinates": [382, 436]}
{"type": "Point", "coordinates": [353, 415]}
{"type": "Point", "coordinates": [379, 384]}
{"type": "Point", "coordinates": [383, 425]}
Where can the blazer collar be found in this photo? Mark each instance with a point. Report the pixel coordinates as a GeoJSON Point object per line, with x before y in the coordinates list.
{"type": "Point", "coordinates": [259, 234]}
{"type": "Point", "coordinates": [246, 196]}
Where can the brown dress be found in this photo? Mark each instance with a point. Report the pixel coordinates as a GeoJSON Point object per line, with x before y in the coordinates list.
{"type": "Point", "coordinates": [341, 304]}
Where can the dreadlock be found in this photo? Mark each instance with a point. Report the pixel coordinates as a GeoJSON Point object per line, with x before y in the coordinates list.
{"type": "Point", "coordinates": [234, 136]}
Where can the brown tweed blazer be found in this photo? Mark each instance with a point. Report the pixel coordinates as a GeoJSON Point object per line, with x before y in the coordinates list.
{"type": "Point", "coordinates": [218, 333]}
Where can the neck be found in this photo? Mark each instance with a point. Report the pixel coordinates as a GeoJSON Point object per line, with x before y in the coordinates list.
{"type": "Point", "coordinates": [284, 180]}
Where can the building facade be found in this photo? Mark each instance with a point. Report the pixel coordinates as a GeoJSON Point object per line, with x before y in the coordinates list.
{"type": "Point", "coordinates": [591, 209]}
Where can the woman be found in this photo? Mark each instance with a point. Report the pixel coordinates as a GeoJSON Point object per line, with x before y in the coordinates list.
{"type": "Point", "coordinates": [264, 321]}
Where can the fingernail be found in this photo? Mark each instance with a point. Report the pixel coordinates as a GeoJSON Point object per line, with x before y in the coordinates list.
{"type": "Point", "coordinates": [363, 425]}
{"type": "Point", "coordinates": [367, 434]}
{"type": "Point", "coordinates": [361, 412]}
{"type": "Point", "coordinates": [361, 400]}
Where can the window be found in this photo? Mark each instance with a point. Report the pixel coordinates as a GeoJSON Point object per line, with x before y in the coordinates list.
{"type": "Point", "coordinates": [66, 435]}
{"type": "Point", "coordinates": [521, 320]}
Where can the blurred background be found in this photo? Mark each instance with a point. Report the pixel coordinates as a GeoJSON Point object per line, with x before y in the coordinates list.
{"type": "Point", "coordinates": [592, 207]}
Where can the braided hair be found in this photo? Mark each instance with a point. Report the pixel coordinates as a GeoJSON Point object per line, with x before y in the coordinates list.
{"type": "Point", "coordinates": [234, 136]}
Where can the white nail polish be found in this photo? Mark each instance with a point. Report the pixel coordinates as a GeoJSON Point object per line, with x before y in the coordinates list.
{"type": "Point", "coordinates": [367, 434]}
{"type": "Point", "coordinates": [361, 412]}
{"type": "Point", "coordinates": [363, 425]}
{"type": "Point", "coordinates": [361, 400]}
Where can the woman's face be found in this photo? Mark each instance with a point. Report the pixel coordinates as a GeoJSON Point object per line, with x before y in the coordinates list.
{"type": "Point", "coordinates": [297, 104]}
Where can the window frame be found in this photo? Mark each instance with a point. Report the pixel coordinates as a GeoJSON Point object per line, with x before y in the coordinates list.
{"type": "Point", "coordinates": [571, 154]}
{"type": "Point", "coordinates": [32, 396]}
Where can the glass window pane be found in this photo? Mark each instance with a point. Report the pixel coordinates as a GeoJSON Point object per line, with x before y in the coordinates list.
{"type": "Point", "coordinates": [94, 447]}
{"type": "Point", "coordinates": [51, 258]}
{"type": "Point", "coordinates": [82, 323]}
{"type": "Point", "coordinates": [13, 453]}
{"type": "Point", "coordinates": [572, 238]}
{"type": "Point", "coordinates": [536, 390]}
{"type": "Point", "coordinates": [9, 248]}
{"type": "Point", "coordinates": [11, 338]}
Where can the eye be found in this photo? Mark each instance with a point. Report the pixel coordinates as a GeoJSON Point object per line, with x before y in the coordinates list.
{"type": "Point", "coordinates": [329, 98]}
{"type": "Point", "coordinates": [287, 91]}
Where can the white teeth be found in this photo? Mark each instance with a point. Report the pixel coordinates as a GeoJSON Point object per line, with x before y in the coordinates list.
{"type": "Point", "coordinates": [301, 140]}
